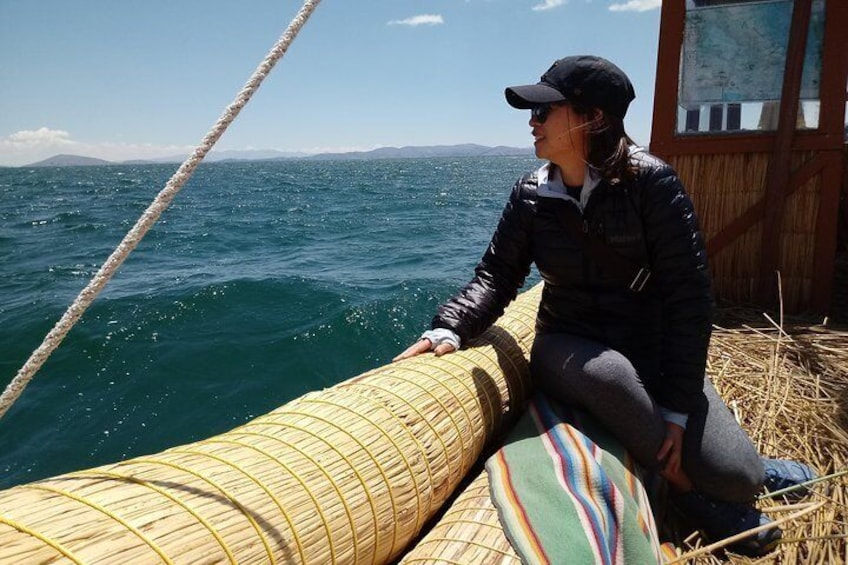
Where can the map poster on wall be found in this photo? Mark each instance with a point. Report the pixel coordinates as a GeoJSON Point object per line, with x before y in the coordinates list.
{"type": "Point", "coordinates": [737, 52]}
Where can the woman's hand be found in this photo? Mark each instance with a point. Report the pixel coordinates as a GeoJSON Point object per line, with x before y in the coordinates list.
{"type": "Point", "coordinates": [671, 451]}
{"type": "Point", "coordinates": [423, 346]}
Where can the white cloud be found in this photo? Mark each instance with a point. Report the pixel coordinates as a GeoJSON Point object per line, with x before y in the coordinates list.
{"type": "Point", "coordinates": [423, 19]}
{"type": "Point", "coordinates": [636, 6]}
{"type": "Point", "coordinates": [43, 137]}
{"type": "Point", "coordinates": [547, 5]}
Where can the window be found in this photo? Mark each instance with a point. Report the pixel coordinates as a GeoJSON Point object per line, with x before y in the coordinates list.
{"type": "Point", "coordinates": [732, 66]}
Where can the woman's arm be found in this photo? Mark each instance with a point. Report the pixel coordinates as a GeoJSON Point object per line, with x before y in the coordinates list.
{"type": "Point", "coordinates": [679, 267]}
{"type": "Point", "coordinates": [498, 276]}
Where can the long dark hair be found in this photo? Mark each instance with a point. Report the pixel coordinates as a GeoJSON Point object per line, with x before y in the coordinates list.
{"type": "Point", "coordinates": [608, 145]}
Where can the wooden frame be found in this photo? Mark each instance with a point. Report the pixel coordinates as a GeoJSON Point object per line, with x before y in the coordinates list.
{"type": "Point", "coordinates": [827, 143]}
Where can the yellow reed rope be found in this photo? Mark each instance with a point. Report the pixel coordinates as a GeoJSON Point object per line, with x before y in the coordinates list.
{"type": "Point", "coordinates": [250, 476]}
{"type": "Point", "coordinates": [513, 317]}
{"type": "Point", "coordinates": [526, 309]}
{"type": "Point", "coordinates": [423, 419]}
{"type": "Point", "coordinates": [377, 465]}
{"type": "Point", "coordinates": [464, 541]}
{"type": "Point", "coordinates": [256, 481]}
{"type": "Point", "coordinates": [223, 491]}
{"type": "Point", "coordinates": [295, 477]}
{"type": "Point", "coordinates": [459, 521]}
{"type": "Point", "coordinates": [143, 483]}
{"type": "Point", "coordinates": [323, 472]}
{"type": "Point", "coordinates": [357, 390]}
{"type": "Point", "coordinates": [47, 541]}
{"type": "Point", "coordinates": [417, 362]}
{"type": "Point", "coordinates": [397, 448]}
{"type": "Point", "coordinates": [421, 450]}
{"type": "Point", "coordinates": [413, 368]}
{"type": "Point", "coordinates": [151, 214]}
{"type": "Point", "coordinates": [498, 345]}
{"type": "Point", "coordinates": [392, 374]}
{"type": "Point", "coordinates": [472, 509]}
{"type": "Point", "coordinates": [102, 509]}
{"type": "Point", "coordinates": [445, 360]}
{"type": "Point", "coordinates": [353, 468]}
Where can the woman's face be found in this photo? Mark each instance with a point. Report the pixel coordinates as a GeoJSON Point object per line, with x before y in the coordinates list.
{"type": "Point", "coordinates": [561, 137]}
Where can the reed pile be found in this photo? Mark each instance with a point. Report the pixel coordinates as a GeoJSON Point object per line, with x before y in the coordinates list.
{"type": "Point", "coordinates": [788, 385]}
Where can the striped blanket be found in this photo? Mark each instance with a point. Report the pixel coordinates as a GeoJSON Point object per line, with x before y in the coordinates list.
{"type": "Point", "coordinates": [567, 492]}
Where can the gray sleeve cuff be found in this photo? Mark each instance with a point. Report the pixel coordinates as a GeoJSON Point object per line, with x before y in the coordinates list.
{"type": "Point", "coordinates": [678, 418]}
{"type": "Point", "coordinates": [440, 336]}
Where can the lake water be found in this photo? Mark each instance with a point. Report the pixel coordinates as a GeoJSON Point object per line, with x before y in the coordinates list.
{"type": "Point", "coordinates": [264, 280]}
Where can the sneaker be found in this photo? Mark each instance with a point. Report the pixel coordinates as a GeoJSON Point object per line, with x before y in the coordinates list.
{"type": "Point", "coordinates": [719, 520]}
{"type": "Point", "coordinates": [784, 473]}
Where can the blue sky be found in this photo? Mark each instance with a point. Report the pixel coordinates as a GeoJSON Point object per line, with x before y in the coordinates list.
{"type": "Point", "coordinates": [122, 80]}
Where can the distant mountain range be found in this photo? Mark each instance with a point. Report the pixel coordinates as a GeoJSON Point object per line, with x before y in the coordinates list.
{"type": "Point", "coordinates": [463, 150]}
{"type": "Point", "coordinates": [70, 161]}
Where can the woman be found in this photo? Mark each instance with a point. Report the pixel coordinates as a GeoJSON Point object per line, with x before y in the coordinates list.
{"type": "Point", "coordinates": [625, 316]}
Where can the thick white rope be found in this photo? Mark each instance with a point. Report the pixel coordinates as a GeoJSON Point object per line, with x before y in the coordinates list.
{"type": "Point", "coordinates": [146, 221]}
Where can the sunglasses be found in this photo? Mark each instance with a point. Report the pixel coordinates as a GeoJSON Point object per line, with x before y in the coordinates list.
{"type": "Point", "coordinates": [540, 112]}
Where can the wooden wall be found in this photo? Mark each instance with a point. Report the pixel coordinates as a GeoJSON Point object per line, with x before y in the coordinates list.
{"type": "Point", "coordinates": [726, 186]}
{"type": "Point", "coordinates": [768, 200]}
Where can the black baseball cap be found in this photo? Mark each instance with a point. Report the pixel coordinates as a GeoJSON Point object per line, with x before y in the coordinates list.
{"type": "Point", "coordinates": [583, 79]}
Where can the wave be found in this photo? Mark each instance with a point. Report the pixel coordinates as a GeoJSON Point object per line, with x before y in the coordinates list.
{"type": "Point", "coordinates": [262, 282]}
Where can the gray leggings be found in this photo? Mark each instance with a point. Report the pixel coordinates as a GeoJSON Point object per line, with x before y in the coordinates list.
{"type": "Point", "coordinates": [718, 456]}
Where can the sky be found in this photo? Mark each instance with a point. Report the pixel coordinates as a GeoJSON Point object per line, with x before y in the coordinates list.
{"type": "Point", "coordinates": [124, 80]}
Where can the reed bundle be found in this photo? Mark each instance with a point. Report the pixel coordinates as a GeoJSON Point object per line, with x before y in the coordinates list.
{"type": "Point", "coordinates": [350, 474]}
{"type": "Point", "coordinates": [468, 532]}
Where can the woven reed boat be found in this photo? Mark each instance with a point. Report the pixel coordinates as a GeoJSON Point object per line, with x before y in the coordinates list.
{"type": "Point", "coordinates": [360, 472]}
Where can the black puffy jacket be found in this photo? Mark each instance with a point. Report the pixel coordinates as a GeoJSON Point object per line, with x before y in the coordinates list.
{"type": "Point", "coordinates": [663, 330]}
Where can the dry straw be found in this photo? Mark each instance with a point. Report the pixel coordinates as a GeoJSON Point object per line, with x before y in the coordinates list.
{"type": "Point", "coordinates": [786, 381]}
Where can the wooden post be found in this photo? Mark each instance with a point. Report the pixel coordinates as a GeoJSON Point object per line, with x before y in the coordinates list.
{"type": "Point", "coordinates": [778, 172]}
{"type": "Point", "coordinates": [831, 126]}
{"type": "Point", "coordinates": [668, 68]}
